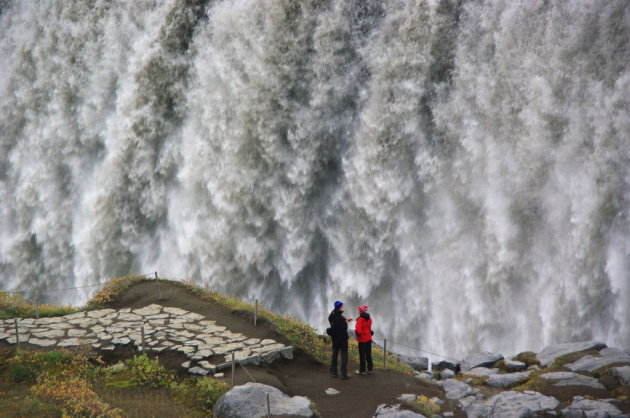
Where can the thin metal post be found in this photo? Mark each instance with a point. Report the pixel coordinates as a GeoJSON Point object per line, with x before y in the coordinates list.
{"type": "Point", "coordinates": [256, 313]}
{"type": "Point", "coordinates": [158, 286]}
{"type": "Point", "coordinates": [37, 308]}
{"type": "Point", "coordinates": [17, 335]}
{"type": "Point", "coordinates": [142, 339]}
{"type": "Point", "coordinates": [233, 368]}
{"type": "Point", "coordinates": [385, 353]}
{"type": "Point", "coordinates": [268, 407]}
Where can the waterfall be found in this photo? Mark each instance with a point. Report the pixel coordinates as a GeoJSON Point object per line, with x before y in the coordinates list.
{"type": "Point", "coordinates": [462, 167]}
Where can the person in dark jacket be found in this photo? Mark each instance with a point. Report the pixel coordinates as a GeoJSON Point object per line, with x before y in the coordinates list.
{"type": "Point", "coordinates": [339, 333]}
{"type": "Point", "coordinates": [363, 331]}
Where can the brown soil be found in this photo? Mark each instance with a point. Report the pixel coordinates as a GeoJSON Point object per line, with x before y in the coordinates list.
{"type": "Point", "coordinates": [302, 375]}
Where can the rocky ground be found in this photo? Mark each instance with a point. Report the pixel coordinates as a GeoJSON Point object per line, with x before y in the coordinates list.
{"type": "Point", "coordinates": [190, 334]}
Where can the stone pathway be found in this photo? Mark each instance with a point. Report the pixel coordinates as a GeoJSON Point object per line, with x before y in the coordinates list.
{"type": "Point", "coordinates": [208, 346]}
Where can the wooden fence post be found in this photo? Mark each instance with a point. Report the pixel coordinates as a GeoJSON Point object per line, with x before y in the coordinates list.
{"type": "Point", "coordinates": [17, 335]}
{"type": "Point", "coordinates": [158, 286]}
{"type": "Point", "coordinates": [385, 353]}
{"type": "Point", "coordinates": [256, 313]}
{"type": "Point", "coordinates": [233, 368]}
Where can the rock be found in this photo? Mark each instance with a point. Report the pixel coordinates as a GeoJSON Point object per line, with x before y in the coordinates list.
{"type": "Point", "coordinates": [515, 366]}
{"type": "Point", "coordinates": [425, 376]}
{"type": "Point", "coordinates": [53, 333]}
{"type": "Point", "coordinates": [271, 356]}
{"type": "Point", "coordinates": [512, 404]}
{"type": "Point", "coordinates": [116, 367]}
{"type": "Point", "coordinates": [416, 363]}
{"type": "Point", "coordinates": [149, 310]}
{"type": "Point", "coordinates": [287, 353]}
{"type": "Point", "coordinates": [208, 366]}
{"type": "Point", "coordinates": [394, 411]}
{"type": "Point", "coordinates": [175, 311]}
{"type": "Point", "coordinates": [482, 371]}
{"type": "Point", "coordinates": [455, 389]}
{"type": "Point", "coordinates": [572, 379]}
{"type": "Point", "coordinates": [484, 359]}
{"type": "Point", "coordinates": [332, 391]}
{"type": "Point", "coordinates": [219, 375]}
{"type": "Point", "coordinates": [42, 342]}
{"type": "Point", "coordinates": [447, 374]}
{"type": "Point", "coordinates": [441, 365]}
{"type": "Point", "coordinates": [406, 397]}
{"type": "Point", "coordinates": [186, 364]}
{"type": "Point", "coordinates": [607, 357]}
{"type": "Point", "coordinates": [623, 373]}
{"type": "Point", "coordinates": [198, 370]}
{"type": "Point", "coordinates": [121, 341]}
{"type": "Point", "coordinates": [591, 409]}
{"type": "Point", "coordinates": [550, 353]}
{"type": "Point", "coordinates": [250, 399]}
{"type": "Point", "coordinates": [507, 380]}
{"type": "Point", "coordinates": [99, 313]}
{"type": "Point", "coordinates": [69, 342]}
{"type": "Point", "coordinates": [201, 354]}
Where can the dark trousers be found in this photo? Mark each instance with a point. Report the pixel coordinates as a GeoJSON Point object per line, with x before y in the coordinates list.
{"type": "Point", "coordinates": [365, 357]}
{"type": "Point", "coordinates": [339, 348]}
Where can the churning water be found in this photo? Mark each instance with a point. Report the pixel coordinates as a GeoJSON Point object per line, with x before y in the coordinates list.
{"type": "Point", "coordinates": [461, 167]}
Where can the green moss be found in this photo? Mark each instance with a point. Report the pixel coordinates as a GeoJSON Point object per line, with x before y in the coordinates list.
{"type": "Point", "coordinates": [527, 357]}
{"type": "Point", "coordinates": [474, 380]}
{"type": "Point", "coordinates": [423, 405]}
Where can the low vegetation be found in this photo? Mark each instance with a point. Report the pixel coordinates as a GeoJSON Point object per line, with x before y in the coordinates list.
{"type": "Point", "coordinates": [14, 306]}
{"type": "Point", "coordinates": [423, 405]}
{"type": "Point", "coordinates": [74, 383]}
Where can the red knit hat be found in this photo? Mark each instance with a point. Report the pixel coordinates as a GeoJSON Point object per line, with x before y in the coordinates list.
{"type": "Point", "coordinates": [363, 309]}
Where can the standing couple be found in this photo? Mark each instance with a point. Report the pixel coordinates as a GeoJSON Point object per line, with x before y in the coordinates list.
{"type": "Point", "coordinates": [339, 332]}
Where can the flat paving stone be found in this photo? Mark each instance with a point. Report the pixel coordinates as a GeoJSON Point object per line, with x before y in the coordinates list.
{"type": "Point", "coordinates": [165, 328]}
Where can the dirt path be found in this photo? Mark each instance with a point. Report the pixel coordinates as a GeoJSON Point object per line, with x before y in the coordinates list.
{"type": "Point", "coordinates": [303, 376]}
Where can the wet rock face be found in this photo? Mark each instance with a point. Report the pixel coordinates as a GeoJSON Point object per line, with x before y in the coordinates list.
{"type": "Point", "coordinates": [250, 400]}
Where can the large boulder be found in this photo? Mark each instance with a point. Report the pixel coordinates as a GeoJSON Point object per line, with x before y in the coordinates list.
{"type": "Point", "coordinates": [552, 352]}
{"type": "Point", "coordinates": [250, 401]}
{"type": "Point", "coordinates": [623, 373]}
{"type": "Point", "coordinates": [591, 409]}
{"type": "Point", "coordinates": [482, 371]}
{"type": "Point", "coordinates": [606, 357]}
{"type": "Point", "coordinates": [515, 366]}
{"type": "Point", "coordinates": [455, 389]}
{"type": "Point", "coordinates": [512, 404]}
{"type": "Point", "coordinates": [484, 359]}
{"type": "Point", "coordinates": [572, 379]}
{"type": "Point", "coordinates": [442, 365]}
{"type": "Point", "coordinates": [416, 363]}
{"type": "Point", "coordinates": [507, 380]}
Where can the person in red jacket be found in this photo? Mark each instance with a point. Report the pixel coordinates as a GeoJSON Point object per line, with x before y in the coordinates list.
{"type": "Point", "coordinates": [363, 331]}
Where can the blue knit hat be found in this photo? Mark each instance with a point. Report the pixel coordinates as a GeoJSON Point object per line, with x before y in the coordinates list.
{"type": "Point", "coordinates": [338, 304]}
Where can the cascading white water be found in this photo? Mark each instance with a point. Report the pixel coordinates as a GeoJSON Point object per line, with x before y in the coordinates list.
{"type": "Point", "coordinates": [461, 167]}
